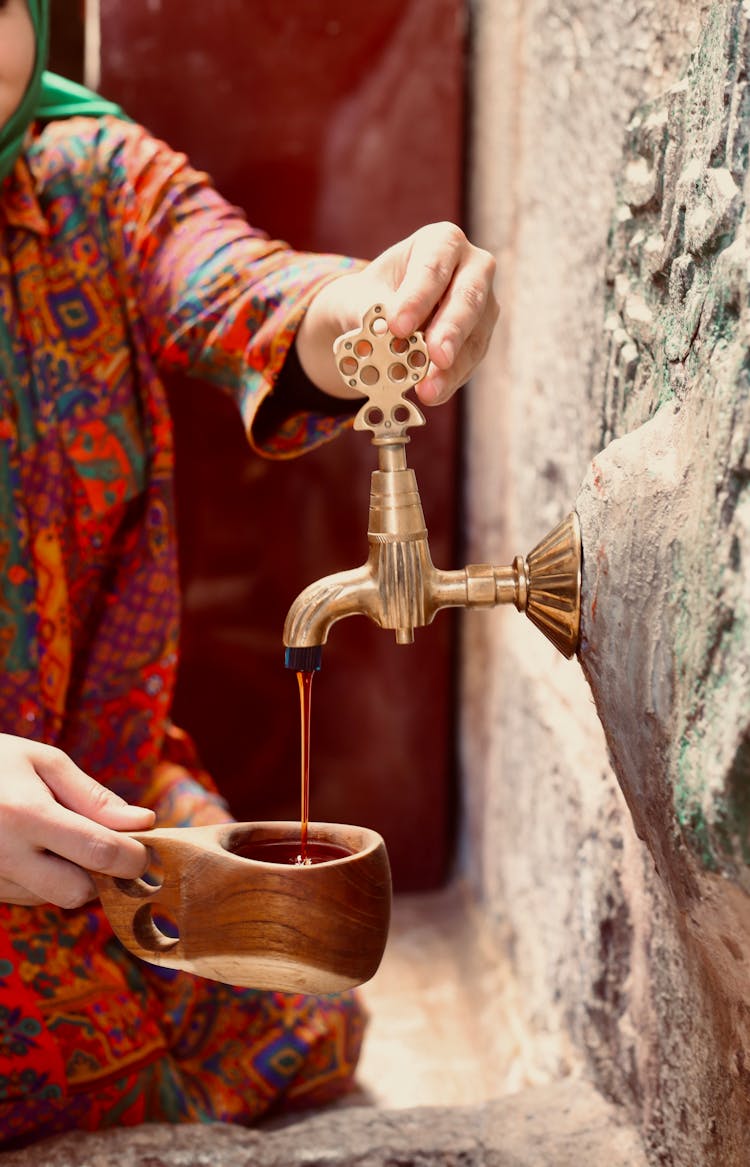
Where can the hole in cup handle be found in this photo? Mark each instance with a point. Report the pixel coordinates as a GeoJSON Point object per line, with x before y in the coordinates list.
{"type": "Point", "coordinates": [155, 931]}
{"type": "Point", "coordinates": [137, 918]}
{"type": "Point", "coordinates": [137, 889]}
{"type": "Point", "coordinates": [144, 887]}
{"type": "Point", "coordinates": [133, 905]}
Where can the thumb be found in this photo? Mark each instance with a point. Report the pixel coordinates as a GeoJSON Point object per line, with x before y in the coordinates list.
{"type": "Point", "coordinates": [77, 791]}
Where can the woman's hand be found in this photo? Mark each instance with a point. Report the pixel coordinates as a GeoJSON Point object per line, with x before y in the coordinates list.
{"type": "Point", "coordinates": [55, 823]}
{"type": "Point", "coordinates": [435, 280]}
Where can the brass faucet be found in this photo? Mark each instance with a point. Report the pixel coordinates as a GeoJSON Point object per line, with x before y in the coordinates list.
{"type": "Point", "coordinates": [399, 587]}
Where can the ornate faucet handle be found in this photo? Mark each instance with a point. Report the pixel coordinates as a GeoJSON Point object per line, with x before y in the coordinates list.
{"type": "Point", "coordinates": [383, 367]}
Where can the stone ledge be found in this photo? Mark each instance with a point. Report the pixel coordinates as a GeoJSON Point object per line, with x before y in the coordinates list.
{"type": "Point", "coordinates": [565, 1125]}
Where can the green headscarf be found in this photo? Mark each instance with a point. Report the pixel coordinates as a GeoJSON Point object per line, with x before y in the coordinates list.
{"type": "Point", "coordinates": [47, 97]}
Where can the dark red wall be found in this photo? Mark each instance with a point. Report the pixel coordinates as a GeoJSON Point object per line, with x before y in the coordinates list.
{"type": "Point", "coordinates": [338, 127]}
{"type": "Point", "coordinates": [66, 38]}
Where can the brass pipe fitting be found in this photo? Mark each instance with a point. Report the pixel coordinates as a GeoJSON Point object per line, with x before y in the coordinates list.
{"type": "Point", "coordinates": [400, 588]}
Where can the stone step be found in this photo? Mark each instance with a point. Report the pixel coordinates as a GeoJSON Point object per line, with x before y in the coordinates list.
{"type": "Point", "coordinates": [567, 1124]}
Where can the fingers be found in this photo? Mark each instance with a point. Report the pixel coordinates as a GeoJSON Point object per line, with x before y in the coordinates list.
{"type": "Point", "coordinates": [82, 794]}
{"type": "Point", "coordinates": [468, 310]}
{"type": "Point", "coordinates": [446, 275]}
{"type": "Point", "coordinates": [13, 893]}
{"type": "Point", "coordinates": [433, 255]}
{"type": "Point", "coordinates": [447, 289]}
{"type": "Point", "coordinates": [440, 384]}
{"type": "Point", "coordinates": [88, 844]}
{"type": "Point", "coordinates": [57, 825]}
{"type": "Point", "coordinates": [50, 881]}
{"type": "Point", "coordinates": [36, 825]}
{"type": "Point", "coordinates": [48, 851]}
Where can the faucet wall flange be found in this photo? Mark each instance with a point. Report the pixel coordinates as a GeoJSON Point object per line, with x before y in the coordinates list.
{"type": "Point", "coordinates": [554, 592]}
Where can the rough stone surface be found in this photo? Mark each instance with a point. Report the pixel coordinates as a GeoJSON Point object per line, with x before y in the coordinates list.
{"type": "Point", "coordinates": [610, 158]}
{"type": "Point", "coordinates": [568, 1125]}
{"type": "Point", "coordinates": [669, 599]}
{"type": "Point", "coordinates": [674, 590]}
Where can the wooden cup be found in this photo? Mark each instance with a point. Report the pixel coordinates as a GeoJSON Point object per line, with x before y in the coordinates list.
{"type": "Point", "coordinates": [264, 925]}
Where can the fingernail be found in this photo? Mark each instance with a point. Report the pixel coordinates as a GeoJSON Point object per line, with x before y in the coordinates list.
{"type": "Point", "coordinates": [401, 325]}
{"type": "Point", "coordinates": [429, 392]}
{"type": "Point", "coordinates": [140, 813]}
{"type": "Point", "coordinates": [449, 350]}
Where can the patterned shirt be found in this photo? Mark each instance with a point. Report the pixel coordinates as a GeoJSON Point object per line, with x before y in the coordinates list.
{"type": "Point", "coordinates": [118, 262]}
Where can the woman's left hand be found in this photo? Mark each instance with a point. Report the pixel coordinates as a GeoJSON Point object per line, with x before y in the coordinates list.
{"type": "Point", "coordinates": [435, 280]}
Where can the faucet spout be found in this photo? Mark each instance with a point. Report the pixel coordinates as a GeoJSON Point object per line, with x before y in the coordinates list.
{"type": "Point", "coordinates": [390, 587]}
{"type": "Point", "coordinates": [321, 604]}
{"type": "Point", "coordinates": [400, 588]}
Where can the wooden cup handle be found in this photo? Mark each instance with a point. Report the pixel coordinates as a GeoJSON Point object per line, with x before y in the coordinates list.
{"type": "Point", "coordinates": [132, 904]}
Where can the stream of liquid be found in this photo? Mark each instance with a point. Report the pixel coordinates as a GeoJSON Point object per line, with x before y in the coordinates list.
{"type": "Point", "coordinates": [304, 681]}
{"type": "Point", "coordinates": [306, 852]}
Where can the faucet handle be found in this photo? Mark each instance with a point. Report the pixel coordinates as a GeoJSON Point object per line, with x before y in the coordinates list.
{"type": "Point", "coordinates": [382, 367]}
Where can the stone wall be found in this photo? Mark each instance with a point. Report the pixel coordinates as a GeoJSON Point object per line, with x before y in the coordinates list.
{"type": "Point", "coordinates": [608, 174]}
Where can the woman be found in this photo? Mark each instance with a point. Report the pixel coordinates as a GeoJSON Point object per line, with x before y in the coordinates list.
{"type": "Point", "coordinates": [119, 262]}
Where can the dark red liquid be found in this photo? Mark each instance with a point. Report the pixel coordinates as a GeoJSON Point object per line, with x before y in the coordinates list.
{"type": "Point", "coordinates": [289, 851]}
{"type": "Point", "coordinates": [304, 680]}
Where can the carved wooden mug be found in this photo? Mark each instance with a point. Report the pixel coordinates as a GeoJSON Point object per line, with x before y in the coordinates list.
{"type": "Point", "coordinates": [247, 921]}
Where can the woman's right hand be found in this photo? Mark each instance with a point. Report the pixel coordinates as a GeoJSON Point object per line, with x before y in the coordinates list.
{"type": "Point", "coordinates": [57, 824]}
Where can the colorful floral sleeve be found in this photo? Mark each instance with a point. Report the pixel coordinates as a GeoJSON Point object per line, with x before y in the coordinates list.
{"type": "Point", "coordinates": [215, 297]}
